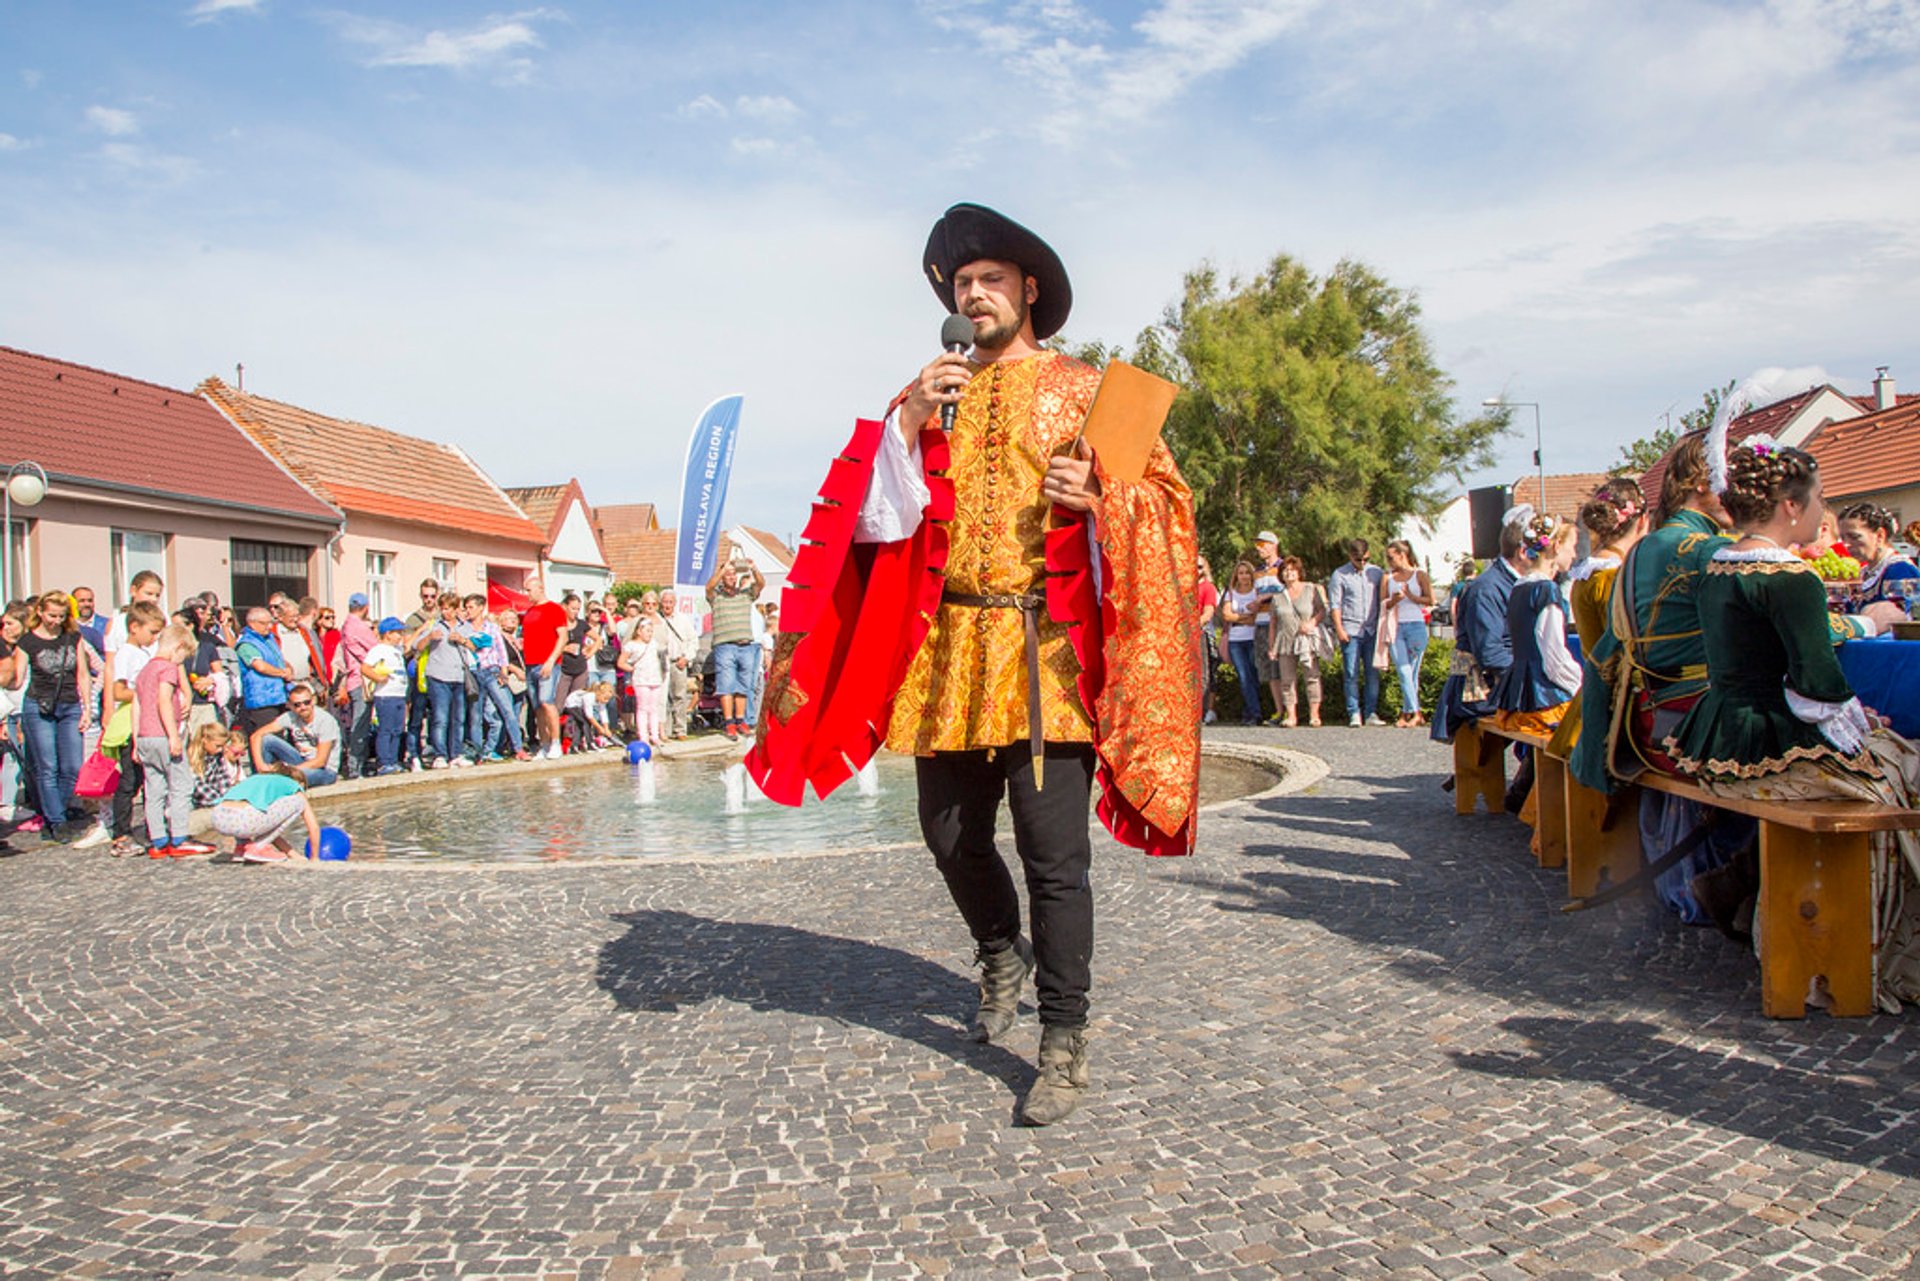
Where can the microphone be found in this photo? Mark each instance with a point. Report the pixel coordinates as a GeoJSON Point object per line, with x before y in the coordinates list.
{"type": "Point", "coordinates": [956, 335]}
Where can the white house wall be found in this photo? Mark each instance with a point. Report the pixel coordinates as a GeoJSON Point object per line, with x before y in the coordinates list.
{"type": "Point", "coordinates": [575, 543]}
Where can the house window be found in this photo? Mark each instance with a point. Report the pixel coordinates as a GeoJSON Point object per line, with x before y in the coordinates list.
{"type": "Point", "coordinates": [135, 551]}
{"type": "Point", "coordinates": [382, 596]}
{"type": "Point", "coordinates": [447, 574]}
{"type": "Point", "coordinates": [261, 569]}
{"type": "Point", "coordinates": [19, 582]}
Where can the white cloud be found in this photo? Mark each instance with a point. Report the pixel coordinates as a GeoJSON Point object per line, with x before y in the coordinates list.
{"type": "Point", "coordinates": [209, 10]}
{"type": "Point", "coordinates": [10, 143]}
{"type": "Point", "coordinates": [31, 79]}
{"type": "Point", "coordinates": [496, 44]}
{"type": "Point", "coordinates": [146, 164]}
{"type": "Point", "coordinates": [705, 107]}
{"type": "Point", "coordinates": [773, 109]}
{"type": "Point", "coordinates": [112, 121]}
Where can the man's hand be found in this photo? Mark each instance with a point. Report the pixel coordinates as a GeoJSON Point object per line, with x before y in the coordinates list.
{"type": "Point", "coordinates": [941, 383]}
{"type": "Point", "coordinates": [1070, 482]}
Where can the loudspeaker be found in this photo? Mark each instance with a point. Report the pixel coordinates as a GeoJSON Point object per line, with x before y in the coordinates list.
{"type": "Point", "coordinates": [1485, 507]}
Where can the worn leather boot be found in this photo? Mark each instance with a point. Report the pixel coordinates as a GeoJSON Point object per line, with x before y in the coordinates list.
{"type": "Point", "coordinates": [1063, 1076]}
{"type": "Point", "coordinates": [1002, 975]}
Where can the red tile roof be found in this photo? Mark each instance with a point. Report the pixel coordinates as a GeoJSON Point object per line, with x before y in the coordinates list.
{"type": "Point", "coordinates": [541, 503]}
{"type": "Point", "coordinates": [626, 518]}
{"type": "Point", "coordinates": [641, 556]}
{"type": "Point", "coordinates": [547, 505]}
{"type": "Point", "coordinates": [97, 426]}
{"type": "Point", "coordinates": [1566, 493]}
{"type": "Point", "coordinates": [1870, 455]}
{"type": "Point", "coordinates": [375, 471]}
{"type": "Point", "coordinates": [1768, 418]}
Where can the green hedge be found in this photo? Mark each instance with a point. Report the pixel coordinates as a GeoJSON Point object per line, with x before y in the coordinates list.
{"type": "Point", "coordinates": [1333, 698]}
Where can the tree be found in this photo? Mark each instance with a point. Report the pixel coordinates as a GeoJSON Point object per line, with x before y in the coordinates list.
{"type": "Point", "coordinates": [1642, 454]}
{"type": "Point", "coordinates": [1639, 457]}
{"type": "Point", "coordinates": [1310, 406]}
{"type": "Point", "coordinates": [1710, 400]}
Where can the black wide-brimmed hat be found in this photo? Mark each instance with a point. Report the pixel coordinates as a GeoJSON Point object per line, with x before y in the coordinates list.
{"type": "Point", "coordinates": [968, 233]}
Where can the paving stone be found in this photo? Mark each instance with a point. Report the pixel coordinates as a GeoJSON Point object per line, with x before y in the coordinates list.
{"type": "Point", "coordinates": [1353, 1036]}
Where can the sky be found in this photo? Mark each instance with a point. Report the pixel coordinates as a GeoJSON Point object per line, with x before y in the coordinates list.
{"type": "Point", "coordinates": [552, 235]}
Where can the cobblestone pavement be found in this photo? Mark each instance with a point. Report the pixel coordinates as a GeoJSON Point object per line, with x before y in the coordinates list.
{"type": "Point", "coordinates": [1351, 1037]}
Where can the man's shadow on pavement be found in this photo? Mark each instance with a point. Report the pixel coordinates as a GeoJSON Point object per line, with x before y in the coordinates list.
{"type": "Point", "coordinates": [1829, 1112]}
{"type": "Point", "coordinates": [667, 960]}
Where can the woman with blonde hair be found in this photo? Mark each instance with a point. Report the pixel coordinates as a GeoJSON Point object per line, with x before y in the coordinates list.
{"type": "Point", "coordinates": [1534, 692]}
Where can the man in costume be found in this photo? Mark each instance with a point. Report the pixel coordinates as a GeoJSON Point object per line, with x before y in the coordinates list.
{"type": "Point", "coordinates": [992, 601]}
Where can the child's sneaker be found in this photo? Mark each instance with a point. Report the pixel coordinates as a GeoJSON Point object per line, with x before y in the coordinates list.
{"type": "Point", "coordinates": [126, 847]}
{"type": "Point", "coordinates": [187, 849]}
{"type": "Point", "coordinates": [262, 852]}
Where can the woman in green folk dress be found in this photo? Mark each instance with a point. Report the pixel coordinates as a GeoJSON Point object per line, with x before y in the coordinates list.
{"type": "Point", "coordinates": [1778, 721]}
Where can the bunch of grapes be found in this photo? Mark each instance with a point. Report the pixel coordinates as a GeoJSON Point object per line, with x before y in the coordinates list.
{"type": "Point", "coordinates": [1835, 568]}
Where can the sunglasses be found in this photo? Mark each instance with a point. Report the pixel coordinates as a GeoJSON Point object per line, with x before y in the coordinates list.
{"type": "Point", "coordinates": [297, 704]}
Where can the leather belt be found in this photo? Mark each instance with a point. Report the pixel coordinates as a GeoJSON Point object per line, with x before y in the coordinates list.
{"type": "Point", "coordinates": [1029, 606]}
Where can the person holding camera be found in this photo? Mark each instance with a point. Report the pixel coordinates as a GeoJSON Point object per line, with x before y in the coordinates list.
{"type": "Point", "coordinates": [731, 593]}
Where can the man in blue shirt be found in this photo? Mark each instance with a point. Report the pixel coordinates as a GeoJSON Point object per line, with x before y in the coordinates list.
{"type": "Point", "coordinates": [1353, 599]}
{"type": "Point", "coordinates": [263, 672]}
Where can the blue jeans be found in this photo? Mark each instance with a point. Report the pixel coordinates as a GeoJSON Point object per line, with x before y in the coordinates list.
{"type": "Point", "coordinates": [1241, 655]}
{"type": "Point", "coordinates": [55, 745]}
{"type": "Point", "coordinates": [275, 750]}
{"type": "Point", "coordinates": [1356, 657]}
{"type": "Point", "coordinates": [1409, 647]}
{"type": "Point", "coordinates": [359, 730]}
{"type": "Point", "coordinates": [389, 725]}
{"type": "Point", "coordinates": [734, 666]}
{"type": "Point", "coordinates": [448, 701]}
{"type": "Point", "coordinates": [493, 717]}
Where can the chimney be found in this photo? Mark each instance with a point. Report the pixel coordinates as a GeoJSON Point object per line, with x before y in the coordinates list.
{"type": "Point", "coordinates": [1883, 397]}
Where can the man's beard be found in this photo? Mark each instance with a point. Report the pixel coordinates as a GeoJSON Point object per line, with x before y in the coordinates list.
{"type": "Point", "coordinates": [999, 336]}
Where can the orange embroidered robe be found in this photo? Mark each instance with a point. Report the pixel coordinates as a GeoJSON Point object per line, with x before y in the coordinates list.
{"type": "Point", "coordinates": [867, 652]}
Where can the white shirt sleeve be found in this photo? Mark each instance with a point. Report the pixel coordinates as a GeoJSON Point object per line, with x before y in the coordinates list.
{"type": "Point", "coordinates": [897, 494]}
{"type": "Point", "coordinates": [1842, 724]}
{"type": "Point", "coordinates": [1550, 635]}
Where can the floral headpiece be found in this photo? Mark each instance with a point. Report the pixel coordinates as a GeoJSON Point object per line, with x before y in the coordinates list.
{"type": "Point", "coordinates": [1762, 445]}
{"type": "Point", "coordinates": [1540, 532]}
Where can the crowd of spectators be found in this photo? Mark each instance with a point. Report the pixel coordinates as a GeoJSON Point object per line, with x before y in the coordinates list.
{"type": "Point", "coordinates": [187, 708]}
{"type": "Point", "coordinates": [1273, 626]}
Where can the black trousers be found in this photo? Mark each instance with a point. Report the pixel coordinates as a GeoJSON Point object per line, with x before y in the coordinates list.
{"type": "Point", "coordinates": [960, 795]}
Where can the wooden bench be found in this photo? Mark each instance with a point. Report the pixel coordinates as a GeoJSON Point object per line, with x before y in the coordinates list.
{"type": "Point", "coordinates": [1815, 914]}
{"type": "Point", "coordinates": [1596, 836]}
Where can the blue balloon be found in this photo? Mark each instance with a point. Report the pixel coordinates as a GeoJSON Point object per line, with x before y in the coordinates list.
{"type": "Point", "coordinates": [638, 751]}
{"type": "Point", "coordinates": [335, 845]}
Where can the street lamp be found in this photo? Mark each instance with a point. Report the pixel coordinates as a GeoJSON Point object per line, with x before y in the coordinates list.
{"type": "Point", "coordinates": [1501, 402]}
{"type": "Point", "coordinates": [26, 485]}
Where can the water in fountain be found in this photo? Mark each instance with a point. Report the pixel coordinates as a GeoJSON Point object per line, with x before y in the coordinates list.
{"type": "Point", "coordinates": [645, 789]}
{"type": "Point", "coordinates": [736, 781]}
{"type": "Point", "coordinates": [868, 779]}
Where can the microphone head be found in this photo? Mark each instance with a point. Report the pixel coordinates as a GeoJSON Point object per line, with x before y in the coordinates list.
{"type": "Point", "coordinates": [956, 331]}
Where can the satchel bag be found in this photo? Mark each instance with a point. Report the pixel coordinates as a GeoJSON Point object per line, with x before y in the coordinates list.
{"type": "Point", "coordinates": [99, 776]}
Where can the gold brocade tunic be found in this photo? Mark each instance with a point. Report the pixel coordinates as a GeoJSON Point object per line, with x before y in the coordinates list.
{"type": "Point", "coordinates": [966, 688]}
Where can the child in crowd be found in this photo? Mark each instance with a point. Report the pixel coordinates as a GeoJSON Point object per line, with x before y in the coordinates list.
{"type": "Point", "coordinates": [257, 811]}
{"type": "Point", "coordinates": [385, 671]}
{"type": "Point", "coordinates": [143, 621]}
{"type": "Point", "coordinates": [218, 757]}
{"type": "Point", "coordinates": [587, 718]}
{"type": "Point", "coordinates": [161, 698]}
{"type": "Point", "coordinates": [646, 665]}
